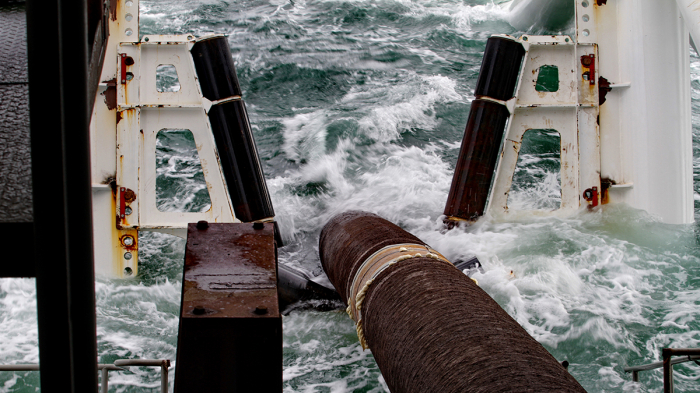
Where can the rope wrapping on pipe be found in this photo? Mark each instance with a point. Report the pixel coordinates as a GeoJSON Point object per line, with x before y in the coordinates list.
{"type": "Point", "coordinates": [372, 267]}
{"type": "Point", "coordinates": [431, 328]}
{"type": "Point", "coordinates": [360, 235]}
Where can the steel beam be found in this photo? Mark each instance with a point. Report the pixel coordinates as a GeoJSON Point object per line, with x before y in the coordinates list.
{"type": "Point", "coordinates": [57, 47]}
{"type": "Point", "coordinates": [230, 336]}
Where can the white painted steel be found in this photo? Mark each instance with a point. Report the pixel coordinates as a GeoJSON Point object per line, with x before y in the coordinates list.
{"type": "Point", "coordinates": [155, 53]}
{"type": "Point", "coordinates": [123, 140]}
{"type": "Point", "coordinates": [571, 111]}
{"type": "Point", "coordinates": [586, 22]}
{"type": "Point", "coordinates": [145, 112]}
{"type": "Point", "coordinates": [109, 255]}
{"type": "Point", "coordinates": [646, 131]}
{"type": "Point", "coordinates": [690, 10]}
{"type": "Point", "coordinates": [194, 119]}
{"type": "Point", "coordinates": [640, 139]}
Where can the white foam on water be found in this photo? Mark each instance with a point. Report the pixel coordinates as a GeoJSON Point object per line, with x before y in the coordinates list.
{"type": "Point", "coordinates": [467, 16]}
{"type": "Point", "coordinates": [386, 123]}
{"type": "Point", "coordinates": [7, 385]}
{"type": "Point", "coordinates": [557, 296]}
{"type": "Point", "coordinates": [321, 344]}
{"type": "Point", "coordinates": [381, 177]}
{"type": "Point", "coordinates": [305, 135]}
{"type": "Point", "coordinates": [408, 183]}
{"type": "Point", "coordinates": [544, 194]}
{"type": "Point", "coordinates": [18, 321]}
{"type": "Point", "coordinates": [135, 321]}
{"type": "Point", "coordinates": [178, 164]}
{"type": "Point", "coordinates": [19, 335]}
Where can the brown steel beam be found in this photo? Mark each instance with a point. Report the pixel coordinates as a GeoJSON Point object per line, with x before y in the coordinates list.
{"type": "Point", "coordinates": [230, 337]}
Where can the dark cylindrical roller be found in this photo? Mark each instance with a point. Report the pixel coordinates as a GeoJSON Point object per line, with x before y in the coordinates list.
{"type": "Point", "coordinates": [500, 68]}
{"type": "Point", "coordinates": [477, 160]}
{"type": "Point", "coordinates": [215, 69]}
{"type": "Point", "coordinates": [240, 161]}
{"type": "Point", "coordinates": [431, 328]}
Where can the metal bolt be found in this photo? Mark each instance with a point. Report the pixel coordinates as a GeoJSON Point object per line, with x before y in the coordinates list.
{"type": "Point", "coordinates": [129, 195]}
{"type": "Point", "coordinates": [128, 241]}
{"type": "Point", "coordinates": [127, 255]}
{"type": "Point", "coordinates": [261, 310]}
{"type": "Point", "coordinates": [199, 310]}
{"type": "Point", "coordinates": [258, 226]}
{"type": "Point", "coordinates": [128, 211]}
{"type": "Point", "coordinates": [202, 225]}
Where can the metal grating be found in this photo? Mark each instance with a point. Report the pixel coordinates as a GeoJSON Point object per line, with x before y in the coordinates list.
{"type": "Point", "coordinates": [15, 161]}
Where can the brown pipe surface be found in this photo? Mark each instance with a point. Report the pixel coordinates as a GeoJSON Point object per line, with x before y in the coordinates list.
{"type": "Point", "coordinates": [431, 328]}
{"type": "Point", "coordinates": [349, 238]}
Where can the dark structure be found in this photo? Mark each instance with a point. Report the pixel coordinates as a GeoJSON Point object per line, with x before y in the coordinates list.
{"type": "Point", "coordinates": [430, 327]}
{"type": "Point", "coordinates": [53, 55]}
{"type": "Point", "coordinates": [477, 160]}
{"type": "Point", "coordinates": [500, 69]}
{"type": "Point", "coordinates": [16, 213]}
{"type": "Point", "coordinates": [231, 128]}
{"type": "Point", "coordinates": [230, 337]}
{"type": "Point", "coordinates": [481, 144]}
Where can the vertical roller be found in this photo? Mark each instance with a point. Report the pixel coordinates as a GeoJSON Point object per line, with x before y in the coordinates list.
{"type": "Point", "coordinates": [232, 132]}
{"type": "Point", "coordinates": [215, 69]}
{"type": "Point", "coordinates": [486, 125]}
{"type": "Point", "coordinates": [430, 327]}
{"type": "Point", "coordinates": [240, 161]}
{"type": "Point", "coordinates": [500, 68]}
{"type": "Point", "coordinates": [477, 160]}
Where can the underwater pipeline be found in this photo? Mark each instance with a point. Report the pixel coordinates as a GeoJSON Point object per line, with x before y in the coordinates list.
{"type": "Point", "coordinates": [429, 326]}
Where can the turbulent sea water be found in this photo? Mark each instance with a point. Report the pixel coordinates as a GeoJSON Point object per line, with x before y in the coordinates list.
{"type": "Point", "coordinates": [361, 104]}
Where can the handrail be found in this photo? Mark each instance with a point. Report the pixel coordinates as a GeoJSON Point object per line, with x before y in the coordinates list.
{"type": "Point", "coordinates": [651, 366]}
{"type": "Point", "coordinates": [691, 354]}
{"type": "Point", "coordinates": [119, 365]}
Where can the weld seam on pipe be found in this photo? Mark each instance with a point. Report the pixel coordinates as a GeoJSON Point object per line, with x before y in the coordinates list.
{"type": "Point", "coordinates": [376, 264]}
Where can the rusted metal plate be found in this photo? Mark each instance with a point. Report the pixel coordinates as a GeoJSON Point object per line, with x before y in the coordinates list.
{"type": "Point", "coordinates": [230, 271]}
{"type": "Point", "coordinates": [230, 337]}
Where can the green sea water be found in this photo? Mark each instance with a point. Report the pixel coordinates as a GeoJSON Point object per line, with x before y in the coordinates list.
{"type": "Point", "coordinates": [361, 104]}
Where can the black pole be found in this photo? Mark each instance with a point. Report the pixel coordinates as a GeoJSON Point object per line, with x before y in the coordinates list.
{"type": "Point", "coordinates": [59, 126]}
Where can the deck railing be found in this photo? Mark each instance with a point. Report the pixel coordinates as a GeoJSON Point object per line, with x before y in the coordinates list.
{"type": "Point", "coordinates": [119, 365]}
{"type": "Point", "coordinates": [690, 355]}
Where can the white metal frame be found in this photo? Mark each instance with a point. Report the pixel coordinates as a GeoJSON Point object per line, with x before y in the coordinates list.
{"type": "Point", "coordinates": [572, 111]}
{"type": "Point", "coordinates": [123, 138]}
{"type": "Point", "coordinates": [640, 140]}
